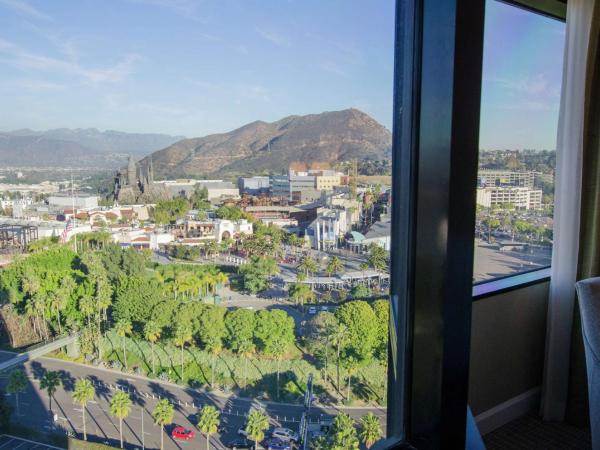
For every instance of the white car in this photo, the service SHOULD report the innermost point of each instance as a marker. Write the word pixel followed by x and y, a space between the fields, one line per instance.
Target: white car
pixel 242 432
pixel 312 310
pixel 285 434
pixel 324 308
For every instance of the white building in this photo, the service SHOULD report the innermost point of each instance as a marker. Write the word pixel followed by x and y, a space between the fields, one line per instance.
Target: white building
pixel 519 197
pixel 327 229
pixel 79 200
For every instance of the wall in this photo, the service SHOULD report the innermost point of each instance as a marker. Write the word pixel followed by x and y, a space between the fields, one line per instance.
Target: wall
pixel 507 353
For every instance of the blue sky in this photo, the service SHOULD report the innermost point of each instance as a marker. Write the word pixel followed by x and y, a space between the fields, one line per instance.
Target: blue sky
pixel 195 67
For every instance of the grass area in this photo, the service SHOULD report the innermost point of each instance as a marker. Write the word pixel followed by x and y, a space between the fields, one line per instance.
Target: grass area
pixel 252 377
pixel 77 444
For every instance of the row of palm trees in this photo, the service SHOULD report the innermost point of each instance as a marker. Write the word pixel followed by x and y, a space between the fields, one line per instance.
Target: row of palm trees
pixel 208 418
pixel 190 284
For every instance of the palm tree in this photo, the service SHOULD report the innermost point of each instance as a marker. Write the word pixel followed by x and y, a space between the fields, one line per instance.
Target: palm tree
pixel 50 382
pixel 213 345
pixel 123 328
pixel 370 431
pixel 278 350
pixel 256 425
pixel 334 266
pixel 152 332
pixel 163 415
pixel 308 265
pixel 17 383
pixel 120 407
pixel 83 393
pixel 208 422
pixel 183 335
pixel 339 335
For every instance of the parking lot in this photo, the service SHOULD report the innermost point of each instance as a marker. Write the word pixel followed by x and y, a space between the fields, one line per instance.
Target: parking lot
pixel 13 443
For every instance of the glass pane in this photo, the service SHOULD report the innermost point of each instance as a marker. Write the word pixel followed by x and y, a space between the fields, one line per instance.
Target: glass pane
pixel 230 240
pixel 522 76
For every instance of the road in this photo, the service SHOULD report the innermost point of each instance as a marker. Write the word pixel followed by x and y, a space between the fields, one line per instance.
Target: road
pixel 102 427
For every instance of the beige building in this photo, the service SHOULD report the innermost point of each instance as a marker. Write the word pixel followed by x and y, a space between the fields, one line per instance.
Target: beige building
pixel 519 197
pixel 327 182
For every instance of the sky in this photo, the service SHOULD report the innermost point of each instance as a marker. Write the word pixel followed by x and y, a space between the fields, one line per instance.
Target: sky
pixel 195 67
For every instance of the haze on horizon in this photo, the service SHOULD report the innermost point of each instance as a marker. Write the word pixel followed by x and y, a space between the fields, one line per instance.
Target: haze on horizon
pixel 192 68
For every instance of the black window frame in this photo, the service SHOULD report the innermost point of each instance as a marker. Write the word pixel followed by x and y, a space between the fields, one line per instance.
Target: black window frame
pixel 437 84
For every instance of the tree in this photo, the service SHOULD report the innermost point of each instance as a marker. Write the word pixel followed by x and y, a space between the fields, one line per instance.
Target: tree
pixel 358 317
pixel 370 430
pixel 275 335
pixel 257 272
pixel 343 434
pixel 211 332
pixel 377 257
pixel 301 293
pixel 123 328
pixel 183 335
pixel 50 382
pixel 83 393
pixel 120 407
pixel 334 266
pixel 320 333
pixel 256 425
pixel 17 383
pixel 240 324
pixel 339 335
pixel 360 291
pixel 208 422
pixel 163 415
pixel 381 308
pixel 152 332
pixel 308 265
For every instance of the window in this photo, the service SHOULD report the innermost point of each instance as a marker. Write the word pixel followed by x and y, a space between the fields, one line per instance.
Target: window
pixel 233 233
pixel 522 73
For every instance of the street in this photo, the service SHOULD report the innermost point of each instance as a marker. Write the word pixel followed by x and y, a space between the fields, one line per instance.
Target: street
pixel 145 393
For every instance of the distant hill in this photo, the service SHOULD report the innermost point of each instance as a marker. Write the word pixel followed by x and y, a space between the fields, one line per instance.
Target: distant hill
pixel 260 146
pixel 77 147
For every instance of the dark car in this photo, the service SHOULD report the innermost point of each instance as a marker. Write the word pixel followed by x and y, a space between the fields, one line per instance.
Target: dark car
pixel 276 444
pixel 241 443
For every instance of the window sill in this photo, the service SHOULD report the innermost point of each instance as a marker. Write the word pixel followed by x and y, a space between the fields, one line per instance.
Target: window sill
pixel 510 283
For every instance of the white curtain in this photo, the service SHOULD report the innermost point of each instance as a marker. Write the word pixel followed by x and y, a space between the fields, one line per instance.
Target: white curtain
pixel 566 210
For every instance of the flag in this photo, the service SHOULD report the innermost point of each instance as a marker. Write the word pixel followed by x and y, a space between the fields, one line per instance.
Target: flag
pixel 65 233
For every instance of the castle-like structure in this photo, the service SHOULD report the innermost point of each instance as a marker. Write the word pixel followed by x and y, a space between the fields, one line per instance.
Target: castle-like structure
pixel 136 185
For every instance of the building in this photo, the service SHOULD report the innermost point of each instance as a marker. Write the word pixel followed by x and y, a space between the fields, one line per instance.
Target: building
pixel 68 200
pixel 327 230
pixel 279 186
pixel 254 185
pixel 490 178
pixel 202 231
pixel 519 197
pixel 136 184
pixel 216 189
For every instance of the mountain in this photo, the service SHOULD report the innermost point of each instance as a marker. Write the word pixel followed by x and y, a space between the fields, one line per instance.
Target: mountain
pixel 260 146
pixel 77 147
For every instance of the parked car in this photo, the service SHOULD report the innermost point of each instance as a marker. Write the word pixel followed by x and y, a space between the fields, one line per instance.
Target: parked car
pixel 276 444
pixel 182 433
pixel 241 443
pixel 312 310
pixel 285 434
pixel 242 432
pixel 324 308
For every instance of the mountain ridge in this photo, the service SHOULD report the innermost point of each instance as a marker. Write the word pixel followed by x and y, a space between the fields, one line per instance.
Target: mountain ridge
pixel 260 146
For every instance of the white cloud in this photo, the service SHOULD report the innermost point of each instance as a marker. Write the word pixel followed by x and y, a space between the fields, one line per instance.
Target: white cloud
pixel 25 9
pixel 21 58
pixel 273 37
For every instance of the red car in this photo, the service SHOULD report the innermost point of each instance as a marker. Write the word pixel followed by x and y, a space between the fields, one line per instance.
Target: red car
pixel 182 433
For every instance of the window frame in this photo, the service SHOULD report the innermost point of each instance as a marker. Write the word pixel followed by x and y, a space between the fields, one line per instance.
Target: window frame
pixel 428 394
